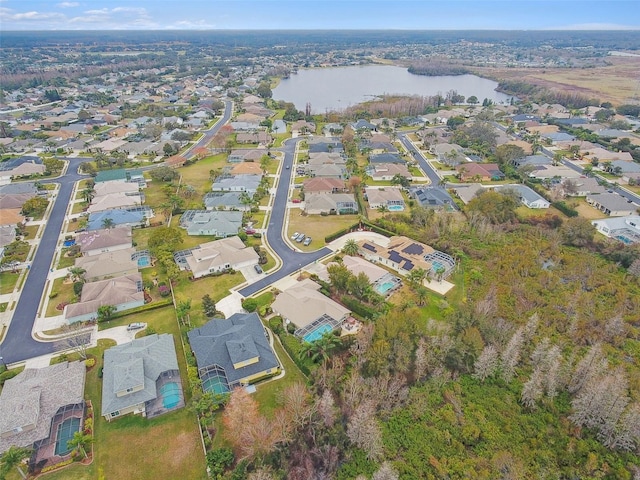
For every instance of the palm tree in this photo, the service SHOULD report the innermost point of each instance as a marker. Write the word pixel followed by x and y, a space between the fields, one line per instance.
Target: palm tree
pixel 77 274
pixel 13 458
pixel 422 293
pixel 108 223
pixel 321 348
pixel 416 276
pixel 80 442
pixel 350 248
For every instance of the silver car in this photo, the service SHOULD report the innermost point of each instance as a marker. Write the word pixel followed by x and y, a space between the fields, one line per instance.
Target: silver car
pixel 307 241
pixel 300 238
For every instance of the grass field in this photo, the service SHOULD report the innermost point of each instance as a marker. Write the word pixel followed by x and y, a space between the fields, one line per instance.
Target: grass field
pixel 317 227
pixel 64 294
pixel 133 447
pixel 8 282
pixel 197 174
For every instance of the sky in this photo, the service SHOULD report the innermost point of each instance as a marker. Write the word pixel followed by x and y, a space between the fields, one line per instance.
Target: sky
pixel 319 14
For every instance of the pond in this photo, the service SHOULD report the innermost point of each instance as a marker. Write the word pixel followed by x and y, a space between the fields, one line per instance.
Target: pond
pixel 334 89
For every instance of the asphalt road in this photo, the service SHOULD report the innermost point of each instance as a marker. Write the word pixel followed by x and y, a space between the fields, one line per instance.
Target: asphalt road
pixel 426 168
pixel 291 260
pixel 18 344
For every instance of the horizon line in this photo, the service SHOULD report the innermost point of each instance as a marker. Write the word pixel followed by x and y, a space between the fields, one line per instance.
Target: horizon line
pixel 622 29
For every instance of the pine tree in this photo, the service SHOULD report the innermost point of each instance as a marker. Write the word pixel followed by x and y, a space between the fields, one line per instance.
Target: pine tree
pixel 486 364
pixel 511 355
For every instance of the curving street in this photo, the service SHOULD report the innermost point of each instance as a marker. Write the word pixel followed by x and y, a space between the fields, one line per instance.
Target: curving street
pixel 18 344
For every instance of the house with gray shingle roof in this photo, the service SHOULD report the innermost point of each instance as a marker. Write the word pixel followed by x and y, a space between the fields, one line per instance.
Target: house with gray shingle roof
pixel 232 352
pixel 225 201
pixel 211 222
pixel 237 183
pixel 36 401
pixel 141 377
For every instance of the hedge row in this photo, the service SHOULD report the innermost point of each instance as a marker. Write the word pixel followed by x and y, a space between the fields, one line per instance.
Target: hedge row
pixel 358 308
pixel 293 346
pixel 339 233
pixel 566 209
pixel 364 224
pixel 144 308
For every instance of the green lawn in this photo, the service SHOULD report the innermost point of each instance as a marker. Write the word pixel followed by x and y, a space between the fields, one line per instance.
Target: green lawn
pixel 65 261
pixel 8 282
pixel 133 447
pixel 317 227
pixel 31 231
pixel 197 174
pixel 64 294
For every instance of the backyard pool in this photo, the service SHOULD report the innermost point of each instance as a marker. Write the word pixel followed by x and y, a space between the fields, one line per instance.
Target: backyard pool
pixel 383 288
pixel 317 333
pixel 144 262
pixel 69 243
pixel 170 395
pixel 215 385
pixel 395 208
pixel 65 433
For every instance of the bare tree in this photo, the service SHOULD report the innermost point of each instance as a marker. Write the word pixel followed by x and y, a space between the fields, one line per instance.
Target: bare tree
pixel 552 367
pixel 363 430
pixel 627 433
pixel 297 404
pixel 533 389
pixel 77 338
pixel 386 472
pixel 326 408
pixel 487 363
pixel 511 355
pixel 589 367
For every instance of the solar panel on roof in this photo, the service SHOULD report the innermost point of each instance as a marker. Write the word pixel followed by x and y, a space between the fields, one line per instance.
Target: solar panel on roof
pixel 413 249
pixel 369 247
pixel 395 257
pixel 408 265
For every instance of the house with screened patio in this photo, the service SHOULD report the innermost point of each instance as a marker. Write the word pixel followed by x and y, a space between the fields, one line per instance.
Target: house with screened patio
pixel 232 352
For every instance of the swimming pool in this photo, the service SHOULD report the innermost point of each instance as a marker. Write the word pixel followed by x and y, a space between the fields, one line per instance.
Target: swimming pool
pixel 144 262
pixel 435 265
pixel 68 243
pixel 317 333
pixel 215 385
pixel 624 239
pixel 383 288
pixel 395 208
pixel 170 395
pixel 65 433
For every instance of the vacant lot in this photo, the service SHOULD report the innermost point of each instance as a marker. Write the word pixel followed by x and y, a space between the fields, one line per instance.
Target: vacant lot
pixel 317 226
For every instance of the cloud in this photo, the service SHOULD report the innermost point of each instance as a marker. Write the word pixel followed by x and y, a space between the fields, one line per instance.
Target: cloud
pixel 190 25
pixel 68 4
pixel 8 15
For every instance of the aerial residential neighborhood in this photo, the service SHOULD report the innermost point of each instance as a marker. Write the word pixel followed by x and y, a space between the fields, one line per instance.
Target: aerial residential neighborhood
pixel 198 280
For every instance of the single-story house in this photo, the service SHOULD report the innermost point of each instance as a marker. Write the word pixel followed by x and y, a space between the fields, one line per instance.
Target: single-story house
pixel 387 171
pixel 246 155
pixel 225 201
pixel 403 254
pixel 612 204
pixel 363 125
pixel 532 161
pixel 111 187
pixel 581 187
pixel 7 234
pixel 389 197
pixel 625 229
pixel 232 352
pixel 246 168
pixel 117 174
pixel 326 170
pixel 317 145
pixel 135 217
pixel 432 197
pixel 323 185
pixel 386 158
pixel 35 403
pixel 527 196
pixel 211 222
pixel 237 183
pixel 104 240
pixel 114 201
pixel 254 137
pixel 302 127
pixel 357 265
pixel 323 158
pixel 554 171
pixel 141 377
pixel 482 172
pixel 332 129
pixel 220 255
pixel 107 265
pixel 123 293
pixel 466 193
pixel 308 309
pixel 330 204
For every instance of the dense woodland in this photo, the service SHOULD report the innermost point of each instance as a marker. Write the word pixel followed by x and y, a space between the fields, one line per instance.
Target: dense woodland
pixel 529 369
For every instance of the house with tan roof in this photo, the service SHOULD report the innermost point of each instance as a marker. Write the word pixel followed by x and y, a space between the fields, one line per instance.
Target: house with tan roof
pixel 104 240
pixel 246 155
pixel 114 186
pixel 323 185
pixel 123 293
pixel 330 204
pixel 108 265
pixel 386 171
pixel 219 256
pixel 36 403
pixel 403 254
pixel 388 197
pixel 113 201
pixel 482 172
pixel 246 168
pixel 308 309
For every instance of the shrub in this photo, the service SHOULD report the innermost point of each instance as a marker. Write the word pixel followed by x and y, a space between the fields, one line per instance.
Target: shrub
pixel 566 209
pixel 53 295
pixel 77 287
pixel 90 362
pixel 293 346
pixel 164 291
pixel 275 324
pixel 250 304
pixel 4 376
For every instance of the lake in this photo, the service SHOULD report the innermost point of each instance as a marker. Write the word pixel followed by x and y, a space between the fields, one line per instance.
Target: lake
pixel 341 87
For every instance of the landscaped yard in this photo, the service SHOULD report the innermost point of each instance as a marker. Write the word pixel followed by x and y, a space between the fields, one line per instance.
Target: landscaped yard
pixel 134 447
pixel 584 209
pixel 317 227
pixel 8 282
pixel 64 294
